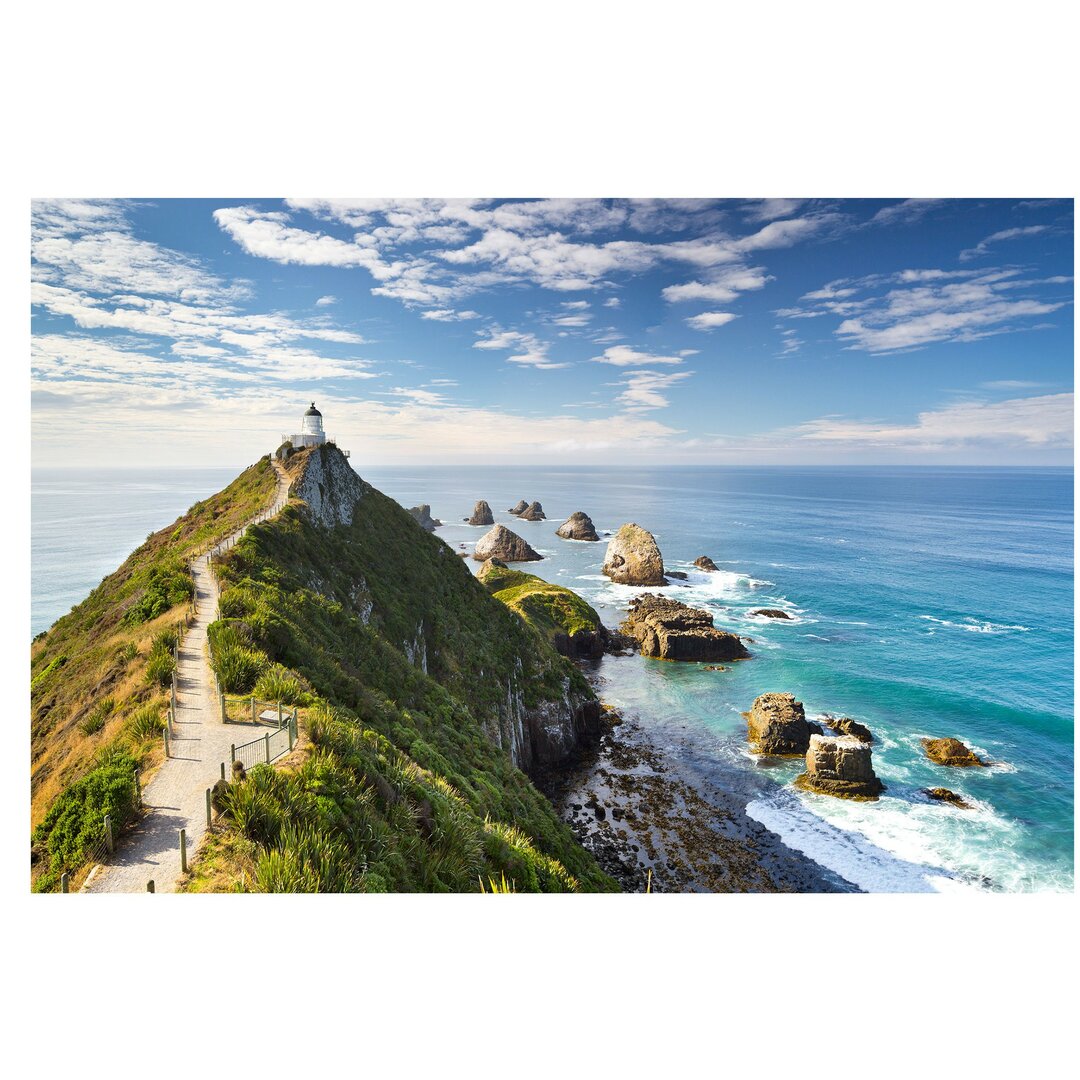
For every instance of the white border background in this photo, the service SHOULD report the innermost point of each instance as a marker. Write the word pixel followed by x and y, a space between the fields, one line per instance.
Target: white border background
pixel 482 98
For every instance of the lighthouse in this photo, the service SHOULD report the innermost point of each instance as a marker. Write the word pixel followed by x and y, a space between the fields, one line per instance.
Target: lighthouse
pixel 311 432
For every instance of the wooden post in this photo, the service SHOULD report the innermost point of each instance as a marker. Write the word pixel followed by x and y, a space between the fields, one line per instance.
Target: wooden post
pixel 232 750
pixel 108 833
pixel 209 810
pixel 279 714
pixel 64 883
pixel 253 708
pixel 224 718
pixel 165 736
pixel 174 691
pixel 290 733
pixel 150 885
pixel 183 851
pixel 138 790
pixel 223 770
pixel 266 739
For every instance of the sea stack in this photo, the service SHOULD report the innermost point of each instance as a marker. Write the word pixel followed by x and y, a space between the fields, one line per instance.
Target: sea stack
pixel 703 562
pixel 777 725
pixel 633 558
pixel 422 514
pixel 533 512
pixel 669 630
pixel 840 765
pixel 501 543
pixel 518 508
pixel 578 526
pixel 481 514
pixel 951 752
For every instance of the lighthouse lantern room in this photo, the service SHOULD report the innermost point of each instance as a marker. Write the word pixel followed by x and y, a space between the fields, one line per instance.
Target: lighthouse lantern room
pixel 311 431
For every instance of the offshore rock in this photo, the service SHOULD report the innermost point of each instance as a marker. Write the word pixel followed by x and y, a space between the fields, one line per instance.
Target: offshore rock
pixel 945 795
pixel 519 508
pixel 481 514
pixel 422 515
pixel 578 526
pixel 633 558
pixel 703 562
pixel 840 765
pixel 501 543
pixel 844 725
pixel 771 613
pixel 777 725
pixel 951 752
pixel 533 512
pixel 670 630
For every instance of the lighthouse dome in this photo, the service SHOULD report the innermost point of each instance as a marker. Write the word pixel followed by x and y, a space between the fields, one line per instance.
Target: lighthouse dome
pixel 312 411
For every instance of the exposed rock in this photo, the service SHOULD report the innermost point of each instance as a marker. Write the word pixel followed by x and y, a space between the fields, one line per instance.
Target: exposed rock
pixel 533 512
pixel 945 795
pixel 703 562
pixel 422 514
pixel 672 631
pixel 951 752
pixel 771 613
pixel 501 543
pixel 777 725
pixel 578 526
pixel 840 765
pixel 481 514
pixel 327 484
pixel 633 558
pixel 677 574
pixel 519 508
pixel 844 725
pixel 814 728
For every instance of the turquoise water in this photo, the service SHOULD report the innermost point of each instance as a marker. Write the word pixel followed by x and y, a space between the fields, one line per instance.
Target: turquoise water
pixel 925 602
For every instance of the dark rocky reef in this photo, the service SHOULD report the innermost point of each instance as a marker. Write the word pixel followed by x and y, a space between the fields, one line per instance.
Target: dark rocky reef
pixel 633 558
pixel 578 526
pixel 771 613
pixel 951 752
pixel 422 515
pixel 501 543
pixel 670 630
pixel 844 725
pixel 481 515
pixel 941 794
pixel 703 562
pixel 840 765
pixel 777 725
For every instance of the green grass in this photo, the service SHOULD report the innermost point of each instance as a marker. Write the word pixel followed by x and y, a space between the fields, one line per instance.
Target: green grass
pixel 550 609
pixel 98 716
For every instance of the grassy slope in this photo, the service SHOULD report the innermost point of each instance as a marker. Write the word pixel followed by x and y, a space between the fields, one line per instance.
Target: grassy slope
pixel 403 773
pixel 89 670
pixel 550 609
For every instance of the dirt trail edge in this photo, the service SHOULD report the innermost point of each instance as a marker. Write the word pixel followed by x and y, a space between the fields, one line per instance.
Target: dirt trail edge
pixel 176 798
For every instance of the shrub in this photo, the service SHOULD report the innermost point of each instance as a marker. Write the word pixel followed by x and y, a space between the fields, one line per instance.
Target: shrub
pixel 164 641
pixel 168 583
pixel 126 653
pixel 98 716
pixel 279 684
pixel 233 603
pixel 160 668
pixel 146 722
pixel 237 668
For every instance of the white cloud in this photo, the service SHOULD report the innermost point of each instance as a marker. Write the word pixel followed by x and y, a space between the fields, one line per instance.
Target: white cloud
pixel 326 301
pixel 722 286
pixel 612 302
pixel 906 212
pixel 534 351
pixel 624 356
pixel 983 246
pixel 710 320
pixel 643 390
pixel 448 315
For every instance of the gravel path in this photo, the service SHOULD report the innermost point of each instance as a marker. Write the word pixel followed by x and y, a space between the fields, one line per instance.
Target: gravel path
pixel 176 797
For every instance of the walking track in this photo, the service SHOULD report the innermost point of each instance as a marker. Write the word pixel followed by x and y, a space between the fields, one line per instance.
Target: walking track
pixel 176 798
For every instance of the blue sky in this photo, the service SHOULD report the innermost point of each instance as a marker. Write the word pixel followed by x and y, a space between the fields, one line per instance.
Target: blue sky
pixel 555 331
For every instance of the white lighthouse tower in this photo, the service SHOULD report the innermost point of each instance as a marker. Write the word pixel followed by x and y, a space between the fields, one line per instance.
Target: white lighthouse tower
pixel 311 432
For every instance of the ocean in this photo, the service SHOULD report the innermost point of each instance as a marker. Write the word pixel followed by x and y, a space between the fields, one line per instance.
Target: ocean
pixel 923 602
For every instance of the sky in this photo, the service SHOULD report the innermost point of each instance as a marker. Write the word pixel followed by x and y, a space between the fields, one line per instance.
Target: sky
pixel 554 331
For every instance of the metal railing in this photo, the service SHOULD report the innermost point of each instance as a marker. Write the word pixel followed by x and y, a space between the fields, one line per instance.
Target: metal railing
pixel 269 747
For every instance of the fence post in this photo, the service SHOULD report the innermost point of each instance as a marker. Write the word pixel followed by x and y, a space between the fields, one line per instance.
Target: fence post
pixel 165 736
pixel 290 733
pixel 174 691
pixel 253 708
pixel 138 790
pixel 183 851
pixel 209 816
pixel 279 714
pixel 108 833
pixel 150 885
pixel 64 883
pixel 232 750
pixel 224 719
pixel 266 739
pixel 223 770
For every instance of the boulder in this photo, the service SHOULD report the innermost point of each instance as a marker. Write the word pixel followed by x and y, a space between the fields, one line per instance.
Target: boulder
pixel 703 562
pixel 840 765
pixel 669 630
pixel 633 558
pixel 481 514
pixel 777 725
pixel 678 575
pixel 578 526
pixel 533 512
pixel 771 613
pixel 422 514
pixel 844 725
pixel 951 752
pixel 942 794
pixel 519 508
pixel 501 543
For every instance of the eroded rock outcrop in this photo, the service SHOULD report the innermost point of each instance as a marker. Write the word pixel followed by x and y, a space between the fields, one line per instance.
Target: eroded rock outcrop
pixel 518 508
pixel 501 543
pixel 533 512
pixel 771 613
pixel 481 514
pixel 669 630
pixel 327 484
pixel 844 725
pixel 633 558
pixel 776 724
pixel 578 526
pixel 703 562
pixel 941 794
pixel 422 515
pixel 840 765
pixel 951 752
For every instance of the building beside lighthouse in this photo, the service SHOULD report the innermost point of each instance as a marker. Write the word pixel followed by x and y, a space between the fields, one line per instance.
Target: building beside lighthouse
pixel 311 432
